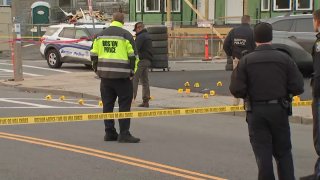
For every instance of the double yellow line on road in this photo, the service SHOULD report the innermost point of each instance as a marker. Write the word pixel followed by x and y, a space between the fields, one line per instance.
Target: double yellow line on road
pixel 174 171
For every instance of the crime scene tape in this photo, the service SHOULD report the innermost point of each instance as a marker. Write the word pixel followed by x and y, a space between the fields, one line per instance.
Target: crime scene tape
pixel 121 115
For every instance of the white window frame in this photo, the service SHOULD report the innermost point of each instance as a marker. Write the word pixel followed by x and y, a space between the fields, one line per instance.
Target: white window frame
pixel 179 5
pixel 138 4
pixel 303 9
pixel 263 9
pixel 145 7
pixel 275 3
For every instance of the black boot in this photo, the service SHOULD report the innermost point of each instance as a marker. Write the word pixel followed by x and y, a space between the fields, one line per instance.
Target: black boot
pixel 127 138
pixel 144 104
pixel 111 136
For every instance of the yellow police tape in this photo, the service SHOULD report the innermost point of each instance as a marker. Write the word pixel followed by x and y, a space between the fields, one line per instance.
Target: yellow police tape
pixel 120 115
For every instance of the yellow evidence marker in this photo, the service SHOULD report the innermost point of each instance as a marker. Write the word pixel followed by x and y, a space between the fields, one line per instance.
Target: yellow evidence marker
pixel 81 102
pixel 49 97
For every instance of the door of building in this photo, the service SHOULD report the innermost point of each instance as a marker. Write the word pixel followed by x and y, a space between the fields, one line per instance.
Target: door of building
pixel 234 11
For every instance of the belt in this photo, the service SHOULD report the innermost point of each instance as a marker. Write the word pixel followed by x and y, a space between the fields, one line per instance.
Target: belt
pixel 276 101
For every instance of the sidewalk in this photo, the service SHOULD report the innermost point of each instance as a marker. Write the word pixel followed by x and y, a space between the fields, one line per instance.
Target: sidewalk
pixel 84 84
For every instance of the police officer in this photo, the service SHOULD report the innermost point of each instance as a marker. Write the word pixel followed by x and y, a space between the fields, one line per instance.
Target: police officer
pixel 238 40
pixel 316 92
pixel 144 48
pixel 267 104
pixel 114 51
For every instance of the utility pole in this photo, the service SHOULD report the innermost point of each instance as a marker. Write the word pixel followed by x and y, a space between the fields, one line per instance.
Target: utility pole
pixel 16 37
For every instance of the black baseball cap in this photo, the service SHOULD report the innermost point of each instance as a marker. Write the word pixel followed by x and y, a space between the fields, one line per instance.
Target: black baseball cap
pixel 136 25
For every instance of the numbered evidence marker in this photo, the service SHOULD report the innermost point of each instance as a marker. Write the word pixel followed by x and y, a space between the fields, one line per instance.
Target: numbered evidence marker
pixel 296 99
pixel 49 97
pixel 196 85
pixel 81 102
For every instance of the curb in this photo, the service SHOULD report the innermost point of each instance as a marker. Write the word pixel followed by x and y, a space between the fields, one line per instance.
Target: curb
pixel 292 119
pixel 51 91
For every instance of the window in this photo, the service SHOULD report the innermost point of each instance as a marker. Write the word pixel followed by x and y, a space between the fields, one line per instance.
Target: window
pixel 175 5
pixel 138 5
pixel 152 5
pixel 282 5
pixel 6 2
pixel 51 31
pixel 80 33
pixel 283 25
pixel 67 33
pixel 304 25
pixel 304 4
pixel 265 5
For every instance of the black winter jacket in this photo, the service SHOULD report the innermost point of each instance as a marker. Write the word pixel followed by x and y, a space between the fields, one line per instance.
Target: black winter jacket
pixel 144 45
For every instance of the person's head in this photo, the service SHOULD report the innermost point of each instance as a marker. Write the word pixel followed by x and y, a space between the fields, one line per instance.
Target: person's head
pixel 118 16
pixel 316 20
pixel 245 19
pixel 263 33
pixel 138 27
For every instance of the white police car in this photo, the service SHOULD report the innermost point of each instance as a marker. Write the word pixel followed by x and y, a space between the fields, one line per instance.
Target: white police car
pixel 68 43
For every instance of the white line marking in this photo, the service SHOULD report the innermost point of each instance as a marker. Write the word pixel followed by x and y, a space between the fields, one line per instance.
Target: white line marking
pixel 26 103
pixel 68 102
pixel 35 67
pixel 39 99
pixel 52 107
pixel 30 74
pixel 27 45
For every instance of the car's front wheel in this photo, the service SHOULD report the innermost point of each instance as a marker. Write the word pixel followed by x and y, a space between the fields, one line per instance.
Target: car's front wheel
pixel 53 58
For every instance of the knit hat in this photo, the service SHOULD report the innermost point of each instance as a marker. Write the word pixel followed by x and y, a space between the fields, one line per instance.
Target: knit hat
pixel 263 32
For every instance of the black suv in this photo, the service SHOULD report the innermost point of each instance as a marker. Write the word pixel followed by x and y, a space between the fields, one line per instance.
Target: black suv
pixel 295 35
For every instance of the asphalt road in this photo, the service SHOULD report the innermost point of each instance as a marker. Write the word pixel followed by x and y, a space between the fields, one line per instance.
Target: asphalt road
pixel 172 80
pixel 214 145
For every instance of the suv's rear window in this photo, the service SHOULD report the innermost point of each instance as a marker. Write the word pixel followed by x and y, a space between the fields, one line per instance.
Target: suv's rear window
pixel 282 25
pixel 94 31
pixel 304 25
pixel 50 31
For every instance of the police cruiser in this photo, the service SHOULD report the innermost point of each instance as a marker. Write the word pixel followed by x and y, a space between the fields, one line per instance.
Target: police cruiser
pixel 68 43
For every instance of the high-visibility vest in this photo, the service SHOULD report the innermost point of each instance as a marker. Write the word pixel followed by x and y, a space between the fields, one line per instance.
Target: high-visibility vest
pixel 114 47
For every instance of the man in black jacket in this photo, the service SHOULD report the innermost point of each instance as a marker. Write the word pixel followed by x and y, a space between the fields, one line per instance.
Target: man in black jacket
pixel 238 40
pixel 144 48
pixel 267 103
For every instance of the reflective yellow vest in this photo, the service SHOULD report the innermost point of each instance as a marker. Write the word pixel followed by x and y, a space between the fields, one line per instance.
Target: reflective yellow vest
pixel 115 48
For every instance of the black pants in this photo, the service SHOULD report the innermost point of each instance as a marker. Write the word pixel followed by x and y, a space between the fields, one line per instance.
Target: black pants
pixel 111 89
pixel 269 133
pixel 316 134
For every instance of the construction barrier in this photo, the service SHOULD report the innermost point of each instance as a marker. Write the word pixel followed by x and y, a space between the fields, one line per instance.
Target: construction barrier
pixel 121 115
